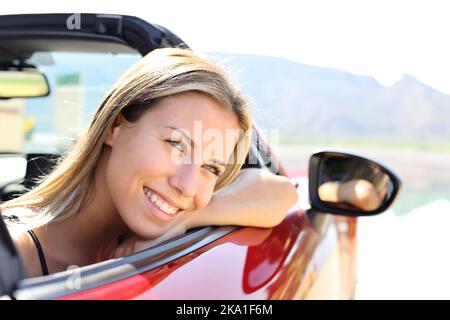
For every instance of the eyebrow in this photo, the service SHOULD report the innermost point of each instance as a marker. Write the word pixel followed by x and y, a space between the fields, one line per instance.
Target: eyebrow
pixel 193 145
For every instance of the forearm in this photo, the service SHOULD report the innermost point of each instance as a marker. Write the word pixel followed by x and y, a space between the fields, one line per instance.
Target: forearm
pixel 256 198
pixel 358 192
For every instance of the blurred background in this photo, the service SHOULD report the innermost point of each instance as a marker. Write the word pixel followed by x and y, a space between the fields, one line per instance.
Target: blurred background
pixel 372 77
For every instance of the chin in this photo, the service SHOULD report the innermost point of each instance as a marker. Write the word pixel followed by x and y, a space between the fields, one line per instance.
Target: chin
pixel 143 227
pixel 149 233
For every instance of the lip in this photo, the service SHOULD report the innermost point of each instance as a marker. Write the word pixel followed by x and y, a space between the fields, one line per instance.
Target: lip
pixel 161 215
pixel 170 202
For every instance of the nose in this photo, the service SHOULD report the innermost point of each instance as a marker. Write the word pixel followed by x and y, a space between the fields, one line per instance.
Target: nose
pixel 186 179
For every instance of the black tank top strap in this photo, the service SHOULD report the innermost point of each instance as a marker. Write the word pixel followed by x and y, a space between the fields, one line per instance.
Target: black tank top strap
pixel 15 219
pixel 40 252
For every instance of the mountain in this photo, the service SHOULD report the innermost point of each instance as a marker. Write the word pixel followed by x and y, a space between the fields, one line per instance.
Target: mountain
pixel 301 100
pixel 309 101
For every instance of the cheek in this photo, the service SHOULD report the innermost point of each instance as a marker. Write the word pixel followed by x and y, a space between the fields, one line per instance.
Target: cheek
pixel 143 158
pixel 204 194
pixel 153 163
pixel 133 165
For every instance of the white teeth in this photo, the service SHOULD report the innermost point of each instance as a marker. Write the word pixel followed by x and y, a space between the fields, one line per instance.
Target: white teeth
pixel 161 204
pixel 164 207
pixel 168 210
pixel 174 210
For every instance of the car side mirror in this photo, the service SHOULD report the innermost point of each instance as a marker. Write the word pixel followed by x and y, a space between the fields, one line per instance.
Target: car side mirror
pixel 347 184
pixel 23 83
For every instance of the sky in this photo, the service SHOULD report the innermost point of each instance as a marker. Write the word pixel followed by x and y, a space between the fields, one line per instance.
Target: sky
pixel 383 39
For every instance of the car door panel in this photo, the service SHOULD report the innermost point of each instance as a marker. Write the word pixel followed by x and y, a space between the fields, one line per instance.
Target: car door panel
pixel 290 261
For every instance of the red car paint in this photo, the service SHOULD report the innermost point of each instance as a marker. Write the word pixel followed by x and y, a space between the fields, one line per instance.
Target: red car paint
pixel 250 263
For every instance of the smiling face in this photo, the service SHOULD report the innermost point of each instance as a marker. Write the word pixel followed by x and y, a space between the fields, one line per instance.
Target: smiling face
pixel 167 163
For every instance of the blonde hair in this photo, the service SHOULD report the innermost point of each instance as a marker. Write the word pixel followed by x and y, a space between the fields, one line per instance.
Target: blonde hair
pixel 161 73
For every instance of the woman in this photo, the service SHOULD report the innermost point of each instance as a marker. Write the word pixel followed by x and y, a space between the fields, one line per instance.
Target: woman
pixel 142 172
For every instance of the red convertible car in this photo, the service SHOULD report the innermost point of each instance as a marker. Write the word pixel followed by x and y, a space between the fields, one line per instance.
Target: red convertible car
pixel 53 68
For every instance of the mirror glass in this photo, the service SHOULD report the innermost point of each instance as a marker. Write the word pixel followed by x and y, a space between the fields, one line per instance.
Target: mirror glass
pixel 22 84
pixel 352 183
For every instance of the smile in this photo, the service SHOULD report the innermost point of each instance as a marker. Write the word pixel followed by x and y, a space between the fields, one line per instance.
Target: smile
pixel 160 203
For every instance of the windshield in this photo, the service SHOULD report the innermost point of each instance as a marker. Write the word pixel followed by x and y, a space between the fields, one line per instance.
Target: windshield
pixel 78 81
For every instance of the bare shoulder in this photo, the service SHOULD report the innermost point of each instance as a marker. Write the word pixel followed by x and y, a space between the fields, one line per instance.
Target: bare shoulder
pixel 22 240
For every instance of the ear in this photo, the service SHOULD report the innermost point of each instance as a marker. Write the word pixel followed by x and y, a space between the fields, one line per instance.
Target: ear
pixel 113 131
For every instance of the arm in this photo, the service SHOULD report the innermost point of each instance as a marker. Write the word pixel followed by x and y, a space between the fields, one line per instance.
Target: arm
pixel 358 192
pixel 257 198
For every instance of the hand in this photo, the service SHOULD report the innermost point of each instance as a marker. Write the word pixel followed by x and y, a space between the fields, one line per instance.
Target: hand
pixel 256 198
